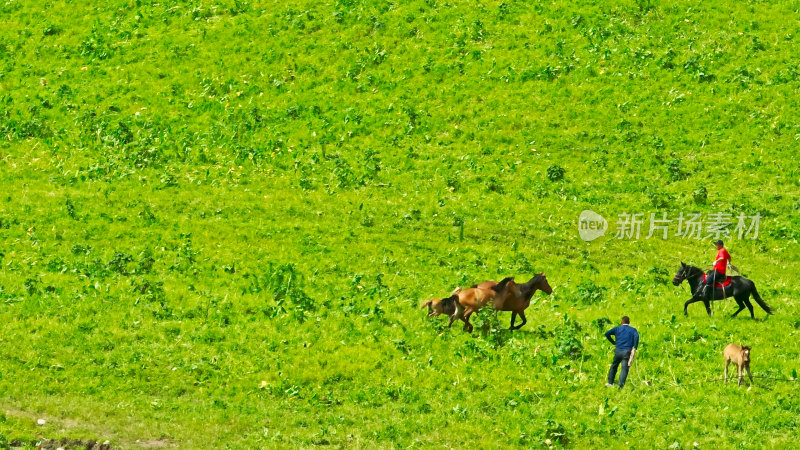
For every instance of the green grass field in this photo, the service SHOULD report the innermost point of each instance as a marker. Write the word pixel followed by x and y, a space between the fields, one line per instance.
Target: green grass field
pixel 218 221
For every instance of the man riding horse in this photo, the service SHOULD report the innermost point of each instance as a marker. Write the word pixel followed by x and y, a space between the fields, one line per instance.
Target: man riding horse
pixel 717 274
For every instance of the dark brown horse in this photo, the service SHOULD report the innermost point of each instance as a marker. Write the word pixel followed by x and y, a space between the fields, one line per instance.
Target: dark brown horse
pixel 740 289
pixel 521 299
pixel 517 305
pixel 473 299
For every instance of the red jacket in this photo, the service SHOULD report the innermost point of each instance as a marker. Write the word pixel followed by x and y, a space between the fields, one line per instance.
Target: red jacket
pixel 722 264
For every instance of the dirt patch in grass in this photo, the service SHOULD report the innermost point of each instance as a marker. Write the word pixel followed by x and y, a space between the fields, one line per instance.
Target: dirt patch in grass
pixel 66 444
pixel 65 424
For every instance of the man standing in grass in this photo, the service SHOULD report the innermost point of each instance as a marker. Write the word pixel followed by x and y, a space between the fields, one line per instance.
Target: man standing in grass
pixel 626 344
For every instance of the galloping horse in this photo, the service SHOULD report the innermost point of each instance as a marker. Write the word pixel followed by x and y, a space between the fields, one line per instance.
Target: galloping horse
pixel 439 306
pixel 471 300
pixel 517 304
pixel 740 289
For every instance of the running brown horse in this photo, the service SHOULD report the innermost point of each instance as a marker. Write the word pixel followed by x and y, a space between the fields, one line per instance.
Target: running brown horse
pixel 519 296
pixel 740 289
pixel 517 304
pixel 439 306
pixel 469 301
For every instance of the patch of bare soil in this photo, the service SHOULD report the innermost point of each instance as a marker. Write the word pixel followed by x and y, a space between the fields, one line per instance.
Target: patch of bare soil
pixel 66 444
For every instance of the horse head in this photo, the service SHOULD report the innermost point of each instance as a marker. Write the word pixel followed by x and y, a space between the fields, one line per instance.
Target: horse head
pixel 683 273
pixel 745 354
pixel 538 281
pixel 686 272
pixel 680 276
pixel 543 285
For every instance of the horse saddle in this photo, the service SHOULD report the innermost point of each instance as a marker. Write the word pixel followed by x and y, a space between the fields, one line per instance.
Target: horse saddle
pixel 718 284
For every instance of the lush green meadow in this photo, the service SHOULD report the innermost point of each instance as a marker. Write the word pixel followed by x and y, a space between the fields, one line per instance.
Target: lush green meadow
pixel 218 220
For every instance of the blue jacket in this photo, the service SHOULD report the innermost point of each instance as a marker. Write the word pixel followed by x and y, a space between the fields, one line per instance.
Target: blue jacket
pixel 627 337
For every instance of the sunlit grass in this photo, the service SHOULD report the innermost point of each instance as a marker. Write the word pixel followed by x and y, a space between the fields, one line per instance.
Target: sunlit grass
pixel 218 221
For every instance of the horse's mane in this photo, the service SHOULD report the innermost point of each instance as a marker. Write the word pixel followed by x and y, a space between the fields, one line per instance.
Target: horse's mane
pixel 693 269
pixel 535 279
pixel 502 284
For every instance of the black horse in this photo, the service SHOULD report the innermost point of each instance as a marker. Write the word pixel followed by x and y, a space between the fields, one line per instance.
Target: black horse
pixel 740 289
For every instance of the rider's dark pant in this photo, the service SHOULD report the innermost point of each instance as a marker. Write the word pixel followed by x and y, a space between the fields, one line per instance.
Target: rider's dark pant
pixel 712 277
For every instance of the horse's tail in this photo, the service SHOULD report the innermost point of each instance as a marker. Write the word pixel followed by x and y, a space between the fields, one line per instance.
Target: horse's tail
pixel 761 302
pixel 426 303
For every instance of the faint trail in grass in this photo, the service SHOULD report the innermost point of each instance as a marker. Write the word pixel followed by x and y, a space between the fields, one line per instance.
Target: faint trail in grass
pixel 715 380
pixel 58 426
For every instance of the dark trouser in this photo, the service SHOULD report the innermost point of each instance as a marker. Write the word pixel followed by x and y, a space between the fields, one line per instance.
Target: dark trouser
pixel 620 356
pixel 712 277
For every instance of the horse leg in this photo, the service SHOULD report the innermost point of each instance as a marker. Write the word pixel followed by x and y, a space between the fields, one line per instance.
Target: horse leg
pixel 748 373
pixel 689 302
pixel 468 326
pixel 513 317
pixel 452 319
pixel 739 302
pixel 746 301
pixel 524 320
pixel 741 307
pixel 696 297
pixel 708 307
pixel 465 318
pixel 727 363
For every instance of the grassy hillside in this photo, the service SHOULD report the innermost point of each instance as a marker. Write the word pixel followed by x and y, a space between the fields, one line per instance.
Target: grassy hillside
pixel 218 220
